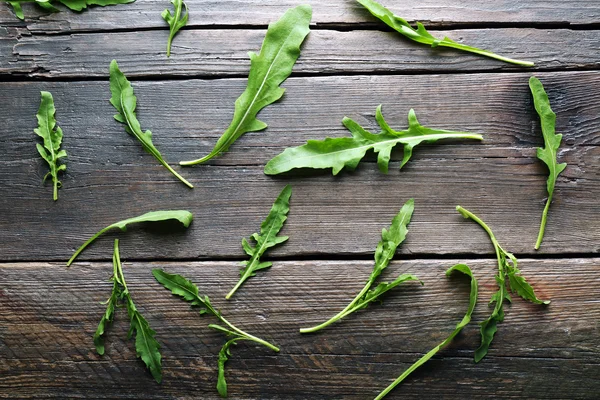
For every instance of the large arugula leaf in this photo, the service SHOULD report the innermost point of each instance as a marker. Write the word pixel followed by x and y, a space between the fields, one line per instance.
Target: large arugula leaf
pixel 52 136
pixel 186 289
pixel 125 102
pixel 268 70
pixel 547 154
pixel 347 152
pixel 463 268
pixel 75 5
pixel 421 35
pixel 183 216
pixel 507 271
pixel 176 21
pixel 147 348
pixel 390 240
pixel 266 239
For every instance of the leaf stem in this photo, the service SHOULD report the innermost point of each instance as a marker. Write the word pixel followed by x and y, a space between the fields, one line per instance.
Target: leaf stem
pixel 87 242
pixel 339 315
pixel 540 237
pixel 55 190
pixel 181 178
pixel 247 335
pixel 485 53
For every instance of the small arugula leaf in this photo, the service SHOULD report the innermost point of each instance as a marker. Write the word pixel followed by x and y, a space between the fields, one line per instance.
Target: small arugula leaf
pixel 75 5
pixel 224 355
pixel 111 303
pixel 147 348
pixel 507 270
pixel 52 135
pixel 463 268
pixel 185 217
pixel 268 70
pixel 421 35
pixel 266 239
pixel 125 103
pixel 548 154
pixel 176 21
pixel 347 152
pixel 390 240
pixel 182 287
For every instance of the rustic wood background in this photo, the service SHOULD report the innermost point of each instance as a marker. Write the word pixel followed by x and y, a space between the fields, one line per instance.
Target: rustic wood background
pixel 350 63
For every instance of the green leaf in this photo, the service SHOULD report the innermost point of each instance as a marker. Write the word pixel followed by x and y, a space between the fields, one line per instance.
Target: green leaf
pixel 507 269
pixel 224 355
pixel 125 103
pixel 390 240
pixel 185 217
pixel 76 5
pixel 266 239
pixel 146 346
pixel 421 35
pixel 347 152
pixel 547 154
pixel 268 70
pixel 52 136
pixel 463 268
pixel 107 318
pixel 182 287
pixel 176 21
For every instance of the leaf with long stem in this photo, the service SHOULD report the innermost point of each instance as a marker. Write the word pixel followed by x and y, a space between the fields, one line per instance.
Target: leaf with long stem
pixel 390 240
pixel 463 268
pixel 125 103
pixel 421 35
pixel 183 216
pixel 147 348
pixel 266 239
pixel 340 153
pixel 268 70
pixel 75 5
pixel 547 154
pixel 507 271
pixel 52 136
pixel 186 289
pixel 176 21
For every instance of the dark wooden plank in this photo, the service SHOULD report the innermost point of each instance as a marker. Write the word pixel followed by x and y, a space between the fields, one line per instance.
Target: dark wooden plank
pixel 146 14
pixel 110 177
pixel 50 314
pixel 224 52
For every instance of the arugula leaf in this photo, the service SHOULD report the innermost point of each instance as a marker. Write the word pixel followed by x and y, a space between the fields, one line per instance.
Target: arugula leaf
pixel 52 135
pixel 268 70
pixel 75 5
pixel 463 268
pixel 347 152
pixel 548 154
pixel 175 21
pixel 147 348
pixel 507 269
pixel 182 287
pixel 266 239
pixel 183 216
pixel 125 101
pixel 384 253
pixel 421 35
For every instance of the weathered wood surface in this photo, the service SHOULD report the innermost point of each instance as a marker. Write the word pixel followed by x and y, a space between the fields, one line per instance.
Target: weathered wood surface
pixel 223 52
pixel 109 176
pixel 51 312
pixel 146 13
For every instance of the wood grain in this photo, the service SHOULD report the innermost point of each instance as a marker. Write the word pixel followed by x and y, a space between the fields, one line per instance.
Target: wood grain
pixel 223 52
pixel 146 13
pixel 109 176
pixel 51 313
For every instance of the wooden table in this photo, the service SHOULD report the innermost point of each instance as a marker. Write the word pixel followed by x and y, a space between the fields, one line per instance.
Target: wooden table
pixel 349 64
